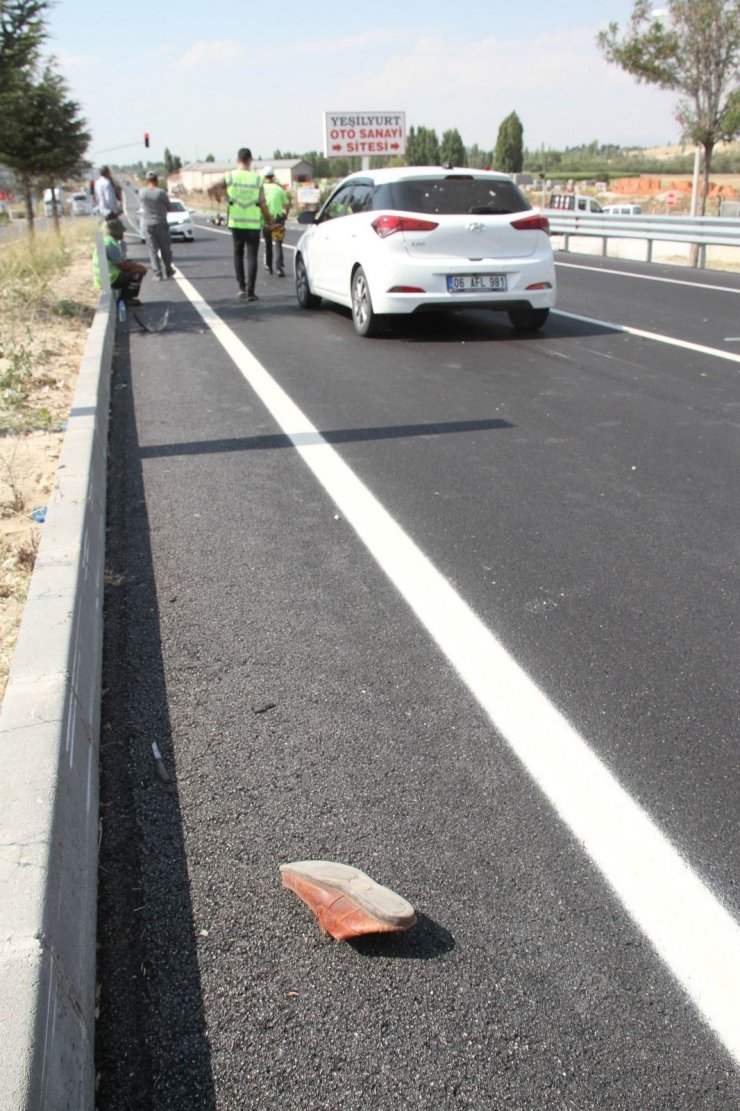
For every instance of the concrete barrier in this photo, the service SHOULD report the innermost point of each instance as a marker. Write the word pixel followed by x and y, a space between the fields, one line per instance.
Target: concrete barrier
pixel 49 739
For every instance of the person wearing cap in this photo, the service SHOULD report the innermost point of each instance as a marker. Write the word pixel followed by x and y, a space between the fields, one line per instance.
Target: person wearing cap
pixel 107 196
pixel 124 275
pixel 155 204
pixel 246 212
pixel 278 202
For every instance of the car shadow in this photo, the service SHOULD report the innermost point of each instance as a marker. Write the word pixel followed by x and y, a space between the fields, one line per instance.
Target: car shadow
pixel 472 326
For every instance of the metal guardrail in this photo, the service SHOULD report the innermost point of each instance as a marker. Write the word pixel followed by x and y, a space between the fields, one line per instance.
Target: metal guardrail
pixel 704 231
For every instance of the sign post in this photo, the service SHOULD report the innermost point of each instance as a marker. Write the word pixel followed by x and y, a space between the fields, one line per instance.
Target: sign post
pixel 347 134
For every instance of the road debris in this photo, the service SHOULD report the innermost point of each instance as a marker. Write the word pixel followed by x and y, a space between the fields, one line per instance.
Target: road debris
pixel 264 708
pixel 346 901
pixel 162 772
pixel 154 326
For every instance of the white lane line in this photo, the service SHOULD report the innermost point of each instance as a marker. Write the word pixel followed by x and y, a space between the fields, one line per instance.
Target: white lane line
pixel 658 337
pixel 647 277
pixel 693 933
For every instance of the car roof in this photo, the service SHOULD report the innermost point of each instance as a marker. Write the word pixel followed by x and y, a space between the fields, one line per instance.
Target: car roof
pixel 409 173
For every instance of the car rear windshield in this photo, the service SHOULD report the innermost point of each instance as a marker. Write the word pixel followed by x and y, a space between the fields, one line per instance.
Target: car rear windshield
pixel 177 206
pixel 457 195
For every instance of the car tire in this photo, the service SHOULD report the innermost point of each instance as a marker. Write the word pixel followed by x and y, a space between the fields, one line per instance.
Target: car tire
pixel 366 320
pixel 306 299
pixel 528 320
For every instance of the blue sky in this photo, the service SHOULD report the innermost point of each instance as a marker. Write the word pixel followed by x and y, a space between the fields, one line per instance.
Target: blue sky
pixel 208 80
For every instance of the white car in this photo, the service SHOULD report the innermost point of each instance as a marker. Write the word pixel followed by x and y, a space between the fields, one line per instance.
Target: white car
pixel 179 220
pixel 424 239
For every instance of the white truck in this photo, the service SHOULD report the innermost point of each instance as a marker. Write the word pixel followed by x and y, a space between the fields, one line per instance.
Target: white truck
pixel 50 195
pixel 574 202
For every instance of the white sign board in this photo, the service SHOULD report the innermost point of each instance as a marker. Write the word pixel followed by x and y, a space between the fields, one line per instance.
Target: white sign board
pixel 308 194
pixel 366 133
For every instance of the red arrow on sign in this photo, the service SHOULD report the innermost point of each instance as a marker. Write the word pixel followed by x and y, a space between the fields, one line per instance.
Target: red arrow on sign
pixel 395 146
pixel 337 146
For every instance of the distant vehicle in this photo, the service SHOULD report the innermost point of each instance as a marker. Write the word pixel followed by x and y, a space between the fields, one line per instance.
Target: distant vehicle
pixel 623 210
pixel 423 239
pixel 49 197
pixel 81 204
pixel 179 219
pixel 574 202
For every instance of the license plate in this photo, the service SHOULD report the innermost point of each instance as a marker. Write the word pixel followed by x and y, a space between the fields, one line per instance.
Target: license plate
pixel 475 283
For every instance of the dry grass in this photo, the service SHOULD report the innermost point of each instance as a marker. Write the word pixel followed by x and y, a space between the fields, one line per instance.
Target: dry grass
pixel 47 302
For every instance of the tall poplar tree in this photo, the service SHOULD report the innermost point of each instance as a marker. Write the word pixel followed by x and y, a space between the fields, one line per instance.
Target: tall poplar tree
pixel 452 148
pixel 509 153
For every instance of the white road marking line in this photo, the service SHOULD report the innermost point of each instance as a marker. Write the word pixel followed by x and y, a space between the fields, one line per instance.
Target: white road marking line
pixel 658 337
pixel 689 928
pixel 647 277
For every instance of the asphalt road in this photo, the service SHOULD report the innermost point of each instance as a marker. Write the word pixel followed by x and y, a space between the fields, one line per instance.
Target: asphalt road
pixel 578 491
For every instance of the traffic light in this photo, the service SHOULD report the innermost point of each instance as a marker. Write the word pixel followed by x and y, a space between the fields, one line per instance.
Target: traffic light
pixel 146 138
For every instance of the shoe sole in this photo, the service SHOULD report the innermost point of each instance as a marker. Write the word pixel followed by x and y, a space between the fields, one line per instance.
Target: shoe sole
pixel 346 901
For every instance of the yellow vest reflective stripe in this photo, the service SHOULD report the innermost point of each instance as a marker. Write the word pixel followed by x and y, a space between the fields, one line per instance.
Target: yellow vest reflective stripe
pixel 275 198
pixel 113 271
pixel 243 190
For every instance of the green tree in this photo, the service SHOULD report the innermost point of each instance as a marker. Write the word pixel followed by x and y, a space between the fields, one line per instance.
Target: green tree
pixel 422 147
pixel 62 137
pixel 478 158
pixel 22 32
pixel 210 158
pixel 696 53
pixel 509 153
pixel 42 136
pixel 452 148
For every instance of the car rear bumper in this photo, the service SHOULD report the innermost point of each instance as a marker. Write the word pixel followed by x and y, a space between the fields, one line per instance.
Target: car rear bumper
pixel 431 277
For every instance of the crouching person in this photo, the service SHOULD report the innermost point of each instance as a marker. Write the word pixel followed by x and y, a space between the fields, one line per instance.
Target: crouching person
pixel 124 275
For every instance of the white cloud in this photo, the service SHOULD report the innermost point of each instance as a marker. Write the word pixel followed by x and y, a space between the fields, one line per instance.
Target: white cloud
pixel 209 52
pixel 75 61
pixel 559 84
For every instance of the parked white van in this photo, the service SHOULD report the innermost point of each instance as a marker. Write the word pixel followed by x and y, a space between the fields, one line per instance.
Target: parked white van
pixel 81 204
pixel 623 210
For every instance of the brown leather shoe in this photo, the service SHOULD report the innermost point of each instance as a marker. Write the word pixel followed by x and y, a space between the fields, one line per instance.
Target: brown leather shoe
pixel 346 902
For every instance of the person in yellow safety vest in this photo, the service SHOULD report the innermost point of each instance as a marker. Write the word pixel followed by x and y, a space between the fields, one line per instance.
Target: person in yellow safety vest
pixel 124 275
pixel 246 212
pixel 278 203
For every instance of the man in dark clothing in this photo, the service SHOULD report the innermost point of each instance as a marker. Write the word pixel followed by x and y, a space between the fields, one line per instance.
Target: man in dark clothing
pixel 247 211
pixel 155 204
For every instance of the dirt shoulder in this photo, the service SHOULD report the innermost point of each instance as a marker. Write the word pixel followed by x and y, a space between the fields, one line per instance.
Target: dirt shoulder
pixel 47 303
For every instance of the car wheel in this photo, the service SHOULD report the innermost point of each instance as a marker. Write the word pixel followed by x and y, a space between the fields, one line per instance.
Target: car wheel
pixel 366 320
pixel 306 299
pixel 528 320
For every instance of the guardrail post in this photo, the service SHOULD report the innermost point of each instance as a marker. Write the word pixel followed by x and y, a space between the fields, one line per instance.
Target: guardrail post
pixel 649 257
pixel 702 256
pixel 603 246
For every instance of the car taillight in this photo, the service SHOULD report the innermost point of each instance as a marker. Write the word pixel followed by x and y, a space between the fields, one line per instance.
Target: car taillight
pixel 532 223
pixel 387 225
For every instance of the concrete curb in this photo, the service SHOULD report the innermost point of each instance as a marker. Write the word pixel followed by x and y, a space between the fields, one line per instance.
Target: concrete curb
pixel 49 739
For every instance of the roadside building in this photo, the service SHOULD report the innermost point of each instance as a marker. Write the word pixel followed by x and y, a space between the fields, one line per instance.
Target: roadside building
pixel 200 176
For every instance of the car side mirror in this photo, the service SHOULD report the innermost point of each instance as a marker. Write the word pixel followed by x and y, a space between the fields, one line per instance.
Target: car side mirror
pixel 306 217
